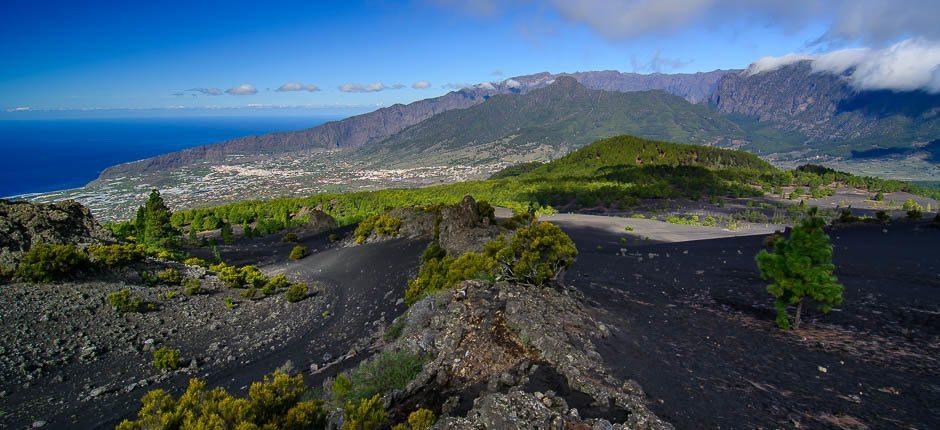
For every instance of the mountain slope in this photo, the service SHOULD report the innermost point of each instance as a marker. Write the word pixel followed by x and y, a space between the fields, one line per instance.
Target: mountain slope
pixel 370 127
pixel 831 115
pixel 557 118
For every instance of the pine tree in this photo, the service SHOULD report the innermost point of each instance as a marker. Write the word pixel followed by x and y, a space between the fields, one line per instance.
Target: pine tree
pixel 247 231
pixel 153 222
pixel 800 266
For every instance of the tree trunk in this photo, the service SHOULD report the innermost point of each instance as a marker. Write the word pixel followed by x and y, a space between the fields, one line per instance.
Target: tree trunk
pixel 799 310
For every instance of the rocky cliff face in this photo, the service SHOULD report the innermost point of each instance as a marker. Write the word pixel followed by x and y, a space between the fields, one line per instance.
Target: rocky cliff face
pixel 694 87
pixel 824 107
pixel 24 224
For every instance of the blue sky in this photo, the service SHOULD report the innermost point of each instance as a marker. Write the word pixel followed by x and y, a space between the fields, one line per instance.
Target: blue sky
pixel 65 55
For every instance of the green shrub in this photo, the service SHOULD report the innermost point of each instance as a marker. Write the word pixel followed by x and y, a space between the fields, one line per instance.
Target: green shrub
pixel 394 330
pixel 421 419
pixel 800 266
pixel 882 216
pixel 433 251
pixel 196 261
pixel 379 375
pixel 333 237
pixel 289 238
pixel 276 402
pixel 486 211
pixel 297 292
pixel 534 255
pixel 124 301
pixel 166 359
pixel 245 276
pixel 49 262
pixel 380 225
pixel 170 276
pixel 880 197
pixel 192 286
pixel 440 274
pixel 365 414
pixel 298 252
pixel 914 210
pixel 229 303
pixel 116 255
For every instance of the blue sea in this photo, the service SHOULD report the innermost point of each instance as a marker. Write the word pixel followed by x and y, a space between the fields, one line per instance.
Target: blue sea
pixel 47 155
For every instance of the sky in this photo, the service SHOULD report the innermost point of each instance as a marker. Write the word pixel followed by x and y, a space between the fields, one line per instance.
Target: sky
pixel 341 56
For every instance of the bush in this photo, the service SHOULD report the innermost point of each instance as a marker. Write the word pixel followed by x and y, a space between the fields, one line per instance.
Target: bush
pixel 800 266
pixel 914 210
pixel 383 373
pixel 116 255
pixel 298 252
pixel 365 414
pixel 166 359
pixel 445 273
pixel 879 197
pixel 170 276
pixel 381 225
pixel 192 286
pixel 49 262
pixel 246 276
pixel 882 216
pixel 289 237
pixel 421 419
pixel 333 237
pixel 297 292
pixel 196 261
pixel 486 211
pixel 123 301
pixel 274 403
pixel 433 251
pixel 536 254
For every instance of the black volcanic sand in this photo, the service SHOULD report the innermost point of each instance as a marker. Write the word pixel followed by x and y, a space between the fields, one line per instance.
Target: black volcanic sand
pixel 362 286
pixel 692 323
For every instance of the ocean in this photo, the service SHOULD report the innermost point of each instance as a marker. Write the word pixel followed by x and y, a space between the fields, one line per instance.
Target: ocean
pixel 47 155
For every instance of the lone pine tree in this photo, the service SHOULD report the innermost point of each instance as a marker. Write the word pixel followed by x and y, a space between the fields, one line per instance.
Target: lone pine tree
pixel 800 267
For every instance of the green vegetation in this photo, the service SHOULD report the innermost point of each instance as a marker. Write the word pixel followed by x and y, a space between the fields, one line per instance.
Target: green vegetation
pixel 277 402
pixel 227 234
pixel 192 287
pixel 421 419
pixel 364 414
pixel 381 225
pixel 166 359
pixel 152 224
pixel 379 375
pixel 296 292
pixel 800 266
pixel 615 172
pixel 117 255
pixel 298 252
pixel 170 276
pixel 289 237
pixel 123 301
pixel 914 210
pixel 196 261
pixel 50 262
pixel 535 254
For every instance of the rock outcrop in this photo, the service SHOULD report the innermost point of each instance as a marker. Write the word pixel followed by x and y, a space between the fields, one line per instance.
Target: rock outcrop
pixel 463 228
pixel 23 224
pixel 504 356
pixel 319 221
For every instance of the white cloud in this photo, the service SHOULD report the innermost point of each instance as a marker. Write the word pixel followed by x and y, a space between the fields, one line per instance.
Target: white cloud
pixel 19 109
pixel 368 88
pixel 206 91
pixel 242 90
pixel 421 85
pixel 486 86
pixel 512 83
pixel 297 86
pixel 912 64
